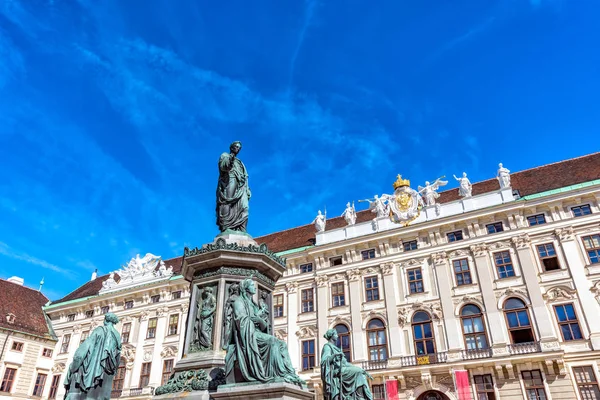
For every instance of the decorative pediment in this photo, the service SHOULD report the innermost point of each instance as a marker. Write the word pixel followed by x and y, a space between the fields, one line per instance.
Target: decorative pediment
pixel 595 289
pixel 564 234
pixel 307 332
pixel 168 351
pixel 281 334
pixel 353 274
pixel 160 311
pixel 479 250
pixel 415 262
pixel 340 320
pixel 386 268
pixel 512 291
pixel 500 245
pixel 368 271
pixel 291 287
pixel 434 309
pixel 10 318
pixel 439 258
pixel 522 241
pixel 59 367
pixel 459 253
pixel 467 299
pixel 322 280
pixel 557 293
pixel 138 271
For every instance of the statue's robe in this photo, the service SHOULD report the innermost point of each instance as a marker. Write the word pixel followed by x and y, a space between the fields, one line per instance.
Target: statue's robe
pixel 94 365
pixel 354 381
pixel 232 194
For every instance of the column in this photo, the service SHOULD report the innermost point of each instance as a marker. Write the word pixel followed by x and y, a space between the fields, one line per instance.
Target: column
pixel 358 335
pixel 538 305
pixel 292 317
pixel 396 341
pixel 444 279
pixel 134 382
pixel 322 308
pixel 577 263
pixel 157 361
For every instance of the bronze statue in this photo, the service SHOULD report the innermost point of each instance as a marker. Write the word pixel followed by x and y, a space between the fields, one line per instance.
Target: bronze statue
pixel 233 192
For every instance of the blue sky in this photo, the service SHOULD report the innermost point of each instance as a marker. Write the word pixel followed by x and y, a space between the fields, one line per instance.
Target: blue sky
pixel 113 114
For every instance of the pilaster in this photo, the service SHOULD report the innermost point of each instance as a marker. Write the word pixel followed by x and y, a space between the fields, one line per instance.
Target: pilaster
pixel 396 342
pixel 358 335
pixel 292 316
pixel 322 308
pixel 442 276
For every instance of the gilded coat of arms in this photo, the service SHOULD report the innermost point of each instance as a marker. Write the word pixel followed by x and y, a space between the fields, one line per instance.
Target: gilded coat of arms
pixel 405 204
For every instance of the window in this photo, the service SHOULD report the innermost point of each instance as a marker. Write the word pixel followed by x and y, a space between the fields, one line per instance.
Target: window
pixel 377 340
pixel 378 392
pixel 278 305
pixel 308 354
pixel 47 353
pixel 338 297
pixel 125 332
pixel 306 268
pixel 84 335
pixel 167 371
pixel 495 227
pixel 484 385
pixel 473 328
pixel 119 379
pixel 411 245
pixel 145 374
pixel 536 219
pixel 462 272
pixel 333 261
pixel 54 387
pixel 367 254
pixel 151 332
pixel 423 333
pixel 504 264
pixel 176 295
pixel 415 280
pixel 104 309
pixel 534 385
pixel 8 379
pixel 548 257
pixel 454 236
pixel 64 347
pixel 343 341
pixel 567 321
pixel 40 382
pixel 371 288
pixel 517 319
pixel 592 247
pixel 155 298
pixel 173 324
pixel 89 313
pixel 128 304
pixel 70 317
pixel 308 303
pixel 17 346
pixel 581 211
pixel 587 382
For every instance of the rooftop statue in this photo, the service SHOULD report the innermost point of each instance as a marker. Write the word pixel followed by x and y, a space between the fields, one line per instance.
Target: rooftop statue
pixel 342 380
pixel 349 214
pixel 252 354
pixel 378 206
pixel 95 363
pixel 465 188
pixel 320 221
pixel 233 192
pixel 503 177
pixel 429 191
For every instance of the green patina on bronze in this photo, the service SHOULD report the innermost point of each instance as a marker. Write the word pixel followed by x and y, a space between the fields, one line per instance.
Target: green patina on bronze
pixel 205 319
pixel 221 244
pixel 243 272
pixel 233 193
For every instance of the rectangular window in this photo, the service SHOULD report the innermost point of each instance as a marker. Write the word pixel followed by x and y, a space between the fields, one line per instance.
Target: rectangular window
pixel 338 297
pixel 104 309
pixel 378 392
pixel 155 298
pixel 495 227
pixel 47 353
pixel 151 332
pixel 504 264
pixel 306 268
pixel 89 313
pixel 410 245
pixel 371 288
pixel 333 261
pixel 125 332
pixel 536 219
pixel 167 371
pixel 567 321
pixel 173 324
pixel 592 248
pixel 534 385
pixel 8 379
pixel 308 303
pixel 64 347
pixel 454 236
pixel 176 295
pixel 40 382
pixel 308 354
pixel 278 305
pixel 415 280
pixel 548 257
pixel 587 382
pixel 462 272
pixel 17 346
pixel 581 210
pixel 367 254
pixel 145 374
pixel 128 304
pixel 484 386
pixel 54 387
pixel 70 317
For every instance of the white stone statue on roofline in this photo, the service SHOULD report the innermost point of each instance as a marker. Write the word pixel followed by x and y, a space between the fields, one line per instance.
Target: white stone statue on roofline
pixel 465 188
pixel 349 214
pixel 320 221
pixel 503 177
pixel 429 191
pixel 378 205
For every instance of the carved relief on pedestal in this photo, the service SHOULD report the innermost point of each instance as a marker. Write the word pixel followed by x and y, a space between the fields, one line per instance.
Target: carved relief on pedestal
pixel 522 241
pixel 558 293
pixel 322 280
pixel 206 306
pixel 564 234
pixel 479 250
pixel 307 332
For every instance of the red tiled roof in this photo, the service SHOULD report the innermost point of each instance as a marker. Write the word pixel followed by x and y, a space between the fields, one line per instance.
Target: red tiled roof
pixel 26 305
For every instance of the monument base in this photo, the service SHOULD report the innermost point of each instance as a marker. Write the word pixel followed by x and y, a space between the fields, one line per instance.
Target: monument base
pixel 279 390
pixel 195 395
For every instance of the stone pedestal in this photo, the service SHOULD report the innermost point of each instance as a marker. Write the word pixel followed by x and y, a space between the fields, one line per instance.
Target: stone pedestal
pixel 281 391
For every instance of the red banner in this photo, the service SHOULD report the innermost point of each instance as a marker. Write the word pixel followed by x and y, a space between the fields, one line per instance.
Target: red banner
pixel 391 388
pixel 461 380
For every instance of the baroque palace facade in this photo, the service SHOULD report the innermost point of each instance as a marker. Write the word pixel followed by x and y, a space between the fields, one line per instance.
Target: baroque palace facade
pixel 501 288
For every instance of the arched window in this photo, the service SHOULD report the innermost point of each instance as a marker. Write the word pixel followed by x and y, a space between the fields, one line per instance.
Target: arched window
pixel 473 328
pixel 343 341
pixel 518 321
pixel 423 333
pixel 377 340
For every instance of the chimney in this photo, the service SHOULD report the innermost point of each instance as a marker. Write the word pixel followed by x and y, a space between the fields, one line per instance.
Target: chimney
pixel 94 275
pixel 16 280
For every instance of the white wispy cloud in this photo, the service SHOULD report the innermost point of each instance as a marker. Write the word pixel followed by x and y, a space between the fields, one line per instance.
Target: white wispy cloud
pixel 9 252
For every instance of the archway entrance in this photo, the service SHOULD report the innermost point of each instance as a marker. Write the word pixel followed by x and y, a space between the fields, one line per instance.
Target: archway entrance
pixel 433 395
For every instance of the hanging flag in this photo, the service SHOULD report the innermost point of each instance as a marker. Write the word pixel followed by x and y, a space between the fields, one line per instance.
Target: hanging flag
pixel 461 382
pixel 391 388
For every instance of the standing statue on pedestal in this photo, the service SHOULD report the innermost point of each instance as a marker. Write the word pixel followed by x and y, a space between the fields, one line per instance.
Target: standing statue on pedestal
pixel 503 176
pixel 95 363
pixel 465 188
pixel 232 191
pixel 342 380
pixel 320 221
pixel 252 354
pixel 205 320
pixel 349 214
pixel 429 191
